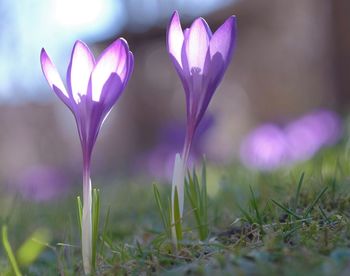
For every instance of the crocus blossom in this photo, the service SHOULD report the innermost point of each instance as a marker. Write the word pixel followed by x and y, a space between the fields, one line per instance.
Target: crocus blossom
pixel 200 58
pixel 270 147
pixel 308 134
pixel 265 148
pixel 93 87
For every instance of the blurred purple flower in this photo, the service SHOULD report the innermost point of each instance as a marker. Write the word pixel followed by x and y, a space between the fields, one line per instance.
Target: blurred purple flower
pixel 41 183
pixel 307 135
pixel 269 147
pixel 265 148
pixel 200 59
pixel 159 160
pixel 92 90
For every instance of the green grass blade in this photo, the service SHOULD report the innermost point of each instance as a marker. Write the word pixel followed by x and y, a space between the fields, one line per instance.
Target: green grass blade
pixel 168 215
pixel 204 191
pixel 287 210
pixel 177 217
pixel 247 216
pixel 104 229
pixel 164 212
pixel 95 223
pixel 310 208
pixel 256 208
pixel 80 212
pixel 193 189
pixel 324 214
pixel 204 206
pixel 196 188
pixel 301 180
pixel 196 192
pixel 193 202
pixel 9 251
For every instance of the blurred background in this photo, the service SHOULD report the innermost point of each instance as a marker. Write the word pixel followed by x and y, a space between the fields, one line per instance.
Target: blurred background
pixel 290 68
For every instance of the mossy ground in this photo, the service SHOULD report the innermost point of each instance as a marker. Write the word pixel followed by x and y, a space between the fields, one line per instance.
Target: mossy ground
pixel 295 221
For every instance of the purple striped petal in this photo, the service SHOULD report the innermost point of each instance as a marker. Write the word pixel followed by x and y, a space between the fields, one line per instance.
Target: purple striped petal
pixel 113 60
pixel 175 38
pixel 79 70
pixel 197 45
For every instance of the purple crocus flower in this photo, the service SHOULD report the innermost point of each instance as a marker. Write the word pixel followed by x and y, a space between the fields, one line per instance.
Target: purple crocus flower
pixel 200 59
pixel 93 87
pixel 265 148
pixel 308 134
pixel 270 147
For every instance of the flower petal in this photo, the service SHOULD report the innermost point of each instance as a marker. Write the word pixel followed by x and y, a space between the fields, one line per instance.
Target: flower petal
pixel 197 45
pixel 51 74
pixel 175 38
pixel 223 40
pixel 130 68
pixel 114 59
pixel 79 70
pixel 53 78
pixel 219 56
pixel 111 91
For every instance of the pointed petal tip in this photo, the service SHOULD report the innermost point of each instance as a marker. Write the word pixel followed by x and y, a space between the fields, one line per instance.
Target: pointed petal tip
pixel 80 43
pixel 231 22
pixel 197 21
pixel 174 21
pixel 123 41
pixel 42 52
pixel 43 59
pixel 81 50
pixel 201 19
pixel 200 24
pixel 207 27
pixel 233 17
pixel 119 42
pixel 46 63
pixel 175 16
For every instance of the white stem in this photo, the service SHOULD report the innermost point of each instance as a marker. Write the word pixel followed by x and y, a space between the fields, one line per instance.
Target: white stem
pixel 178 182
pixel 86 224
